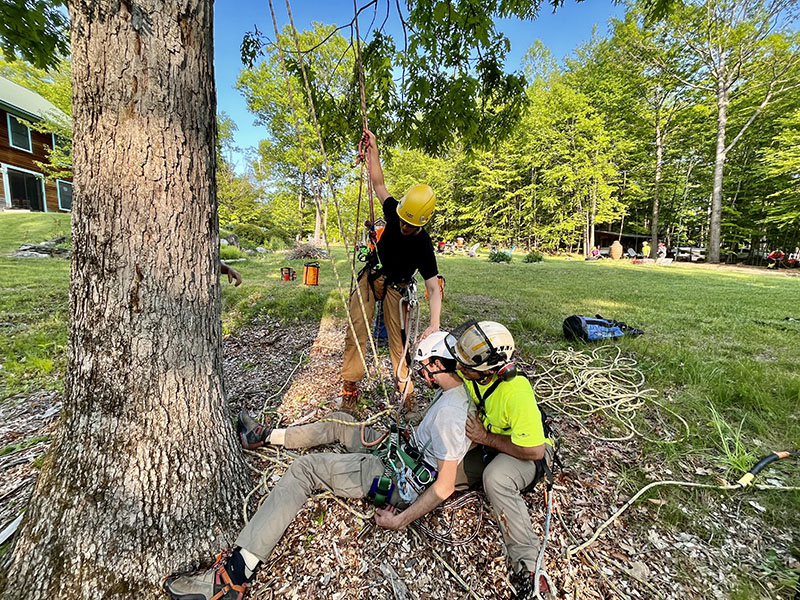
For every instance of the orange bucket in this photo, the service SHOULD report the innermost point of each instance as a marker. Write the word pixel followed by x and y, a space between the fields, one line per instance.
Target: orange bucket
pixel 311 273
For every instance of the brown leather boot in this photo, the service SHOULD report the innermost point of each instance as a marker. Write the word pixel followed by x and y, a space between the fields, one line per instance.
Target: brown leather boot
pixel 349 397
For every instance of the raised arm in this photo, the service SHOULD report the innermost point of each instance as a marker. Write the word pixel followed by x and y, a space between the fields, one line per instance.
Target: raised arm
pixel 438 492
pixel 375 170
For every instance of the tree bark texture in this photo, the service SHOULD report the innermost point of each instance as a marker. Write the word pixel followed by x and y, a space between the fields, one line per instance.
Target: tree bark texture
pixel 715 227
pixel 657 188
pixel 145 476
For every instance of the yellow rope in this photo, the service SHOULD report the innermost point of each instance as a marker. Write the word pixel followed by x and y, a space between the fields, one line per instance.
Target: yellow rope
pixel 579 384
pixel 296 123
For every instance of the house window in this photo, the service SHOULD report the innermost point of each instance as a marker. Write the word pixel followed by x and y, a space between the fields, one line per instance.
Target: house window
pixel 64 194
pixel 58 141
pixel 25 190
pixel 19 135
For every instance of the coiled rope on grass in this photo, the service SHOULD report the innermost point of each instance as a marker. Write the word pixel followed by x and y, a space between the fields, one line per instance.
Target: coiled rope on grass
pixel 580 384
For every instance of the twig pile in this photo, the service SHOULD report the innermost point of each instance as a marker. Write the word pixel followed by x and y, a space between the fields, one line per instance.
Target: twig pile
pixel 306 251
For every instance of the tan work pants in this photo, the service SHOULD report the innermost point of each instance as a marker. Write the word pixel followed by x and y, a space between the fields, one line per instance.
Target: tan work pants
pixel 503 480
pixel 345 475
pixel 353 367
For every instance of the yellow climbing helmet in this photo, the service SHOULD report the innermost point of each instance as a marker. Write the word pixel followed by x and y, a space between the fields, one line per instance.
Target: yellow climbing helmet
pixel 416 207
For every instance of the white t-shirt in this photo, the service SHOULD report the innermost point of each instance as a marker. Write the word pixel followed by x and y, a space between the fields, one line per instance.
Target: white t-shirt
pixel 441 434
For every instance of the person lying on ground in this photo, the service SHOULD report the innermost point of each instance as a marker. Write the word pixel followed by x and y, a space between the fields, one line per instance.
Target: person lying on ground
pixel 513 452
pixel 440 440
pixel 403 249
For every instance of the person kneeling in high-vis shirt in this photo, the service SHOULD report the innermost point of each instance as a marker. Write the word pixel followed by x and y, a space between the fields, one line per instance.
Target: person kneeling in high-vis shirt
pixel 512 452
pixel 436 448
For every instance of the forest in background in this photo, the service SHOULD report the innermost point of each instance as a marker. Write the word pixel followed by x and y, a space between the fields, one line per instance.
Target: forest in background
pixel 682 129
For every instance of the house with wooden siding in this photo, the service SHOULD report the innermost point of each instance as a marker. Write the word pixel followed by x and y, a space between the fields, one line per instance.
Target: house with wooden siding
pixel 24 186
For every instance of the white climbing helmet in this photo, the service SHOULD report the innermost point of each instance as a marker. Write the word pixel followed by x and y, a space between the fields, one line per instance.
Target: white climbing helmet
pixel 483 346
pixel 435 346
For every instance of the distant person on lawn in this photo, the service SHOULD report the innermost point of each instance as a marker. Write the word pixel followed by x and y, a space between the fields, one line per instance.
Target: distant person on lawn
pixel 776 259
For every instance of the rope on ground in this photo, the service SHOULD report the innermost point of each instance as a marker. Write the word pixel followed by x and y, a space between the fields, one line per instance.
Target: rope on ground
pixel 453 505
pixel 263 410
pixel 573 550
pixel 580 384
pixel 446 565
pixel 591 563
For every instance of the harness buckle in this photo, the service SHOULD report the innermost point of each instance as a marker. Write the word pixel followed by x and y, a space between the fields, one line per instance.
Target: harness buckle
pixel 380 492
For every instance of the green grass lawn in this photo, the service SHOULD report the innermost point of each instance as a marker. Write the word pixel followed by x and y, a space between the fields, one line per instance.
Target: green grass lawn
pixel 715 339
pixel 33 305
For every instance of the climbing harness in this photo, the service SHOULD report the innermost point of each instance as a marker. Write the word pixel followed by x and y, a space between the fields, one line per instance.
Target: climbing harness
pixel 404 464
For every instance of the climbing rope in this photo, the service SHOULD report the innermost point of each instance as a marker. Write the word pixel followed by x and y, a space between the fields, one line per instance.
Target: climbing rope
pixel 581 384
pixel 331 187
pixel 744 482
pixel 452 505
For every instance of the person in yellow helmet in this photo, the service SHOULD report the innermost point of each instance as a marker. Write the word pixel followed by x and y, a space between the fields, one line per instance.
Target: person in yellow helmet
pixel 403 249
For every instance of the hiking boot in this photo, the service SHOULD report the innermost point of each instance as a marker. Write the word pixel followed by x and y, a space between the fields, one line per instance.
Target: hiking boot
pixel 349 397
pixel 525 584
pixel 214 584
pixel 252 434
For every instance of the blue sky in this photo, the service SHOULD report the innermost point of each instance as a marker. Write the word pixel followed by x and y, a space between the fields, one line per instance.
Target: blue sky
pixel 561 32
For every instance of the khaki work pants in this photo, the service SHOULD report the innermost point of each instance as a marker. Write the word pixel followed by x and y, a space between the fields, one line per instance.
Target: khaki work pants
pixel 353 367
pixel 345 475
pixel 503 480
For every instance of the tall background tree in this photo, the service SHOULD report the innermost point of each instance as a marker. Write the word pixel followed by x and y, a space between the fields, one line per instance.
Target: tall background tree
pixel 731 49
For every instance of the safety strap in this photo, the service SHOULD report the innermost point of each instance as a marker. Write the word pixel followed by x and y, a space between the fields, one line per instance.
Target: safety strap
pixel 222 578
pixel 396 459
pixel 482 397
pixel 380 492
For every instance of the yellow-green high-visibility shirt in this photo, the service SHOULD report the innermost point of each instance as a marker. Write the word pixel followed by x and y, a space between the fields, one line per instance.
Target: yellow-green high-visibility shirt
pixel 511 410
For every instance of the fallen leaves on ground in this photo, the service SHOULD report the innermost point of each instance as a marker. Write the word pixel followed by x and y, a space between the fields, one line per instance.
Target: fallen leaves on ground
pixel 291 373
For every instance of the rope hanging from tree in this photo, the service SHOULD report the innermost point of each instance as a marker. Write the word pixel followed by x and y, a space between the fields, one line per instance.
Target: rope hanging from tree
pixel 296 122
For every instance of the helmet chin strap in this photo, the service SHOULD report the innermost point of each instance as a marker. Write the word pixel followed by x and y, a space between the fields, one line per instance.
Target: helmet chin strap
pixel 427 375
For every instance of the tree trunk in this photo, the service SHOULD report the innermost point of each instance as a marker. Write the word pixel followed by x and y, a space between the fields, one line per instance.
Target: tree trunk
pixel 300 207
pixel 145 475
pixel 714 238
pixel 593 217
pixel 657 189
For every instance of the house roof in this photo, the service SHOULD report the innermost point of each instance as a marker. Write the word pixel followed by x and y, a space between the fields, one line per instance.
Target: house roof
pixel 20 99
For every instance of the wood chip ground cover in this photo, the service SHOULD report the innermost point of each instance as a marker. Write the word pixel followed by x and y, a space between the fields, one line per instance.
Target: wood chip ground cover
pixel 332 550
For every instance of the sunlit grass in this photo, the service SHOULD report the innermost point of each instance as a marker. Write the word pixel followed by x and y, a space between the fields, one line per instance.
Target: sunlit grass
pixel 713 337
